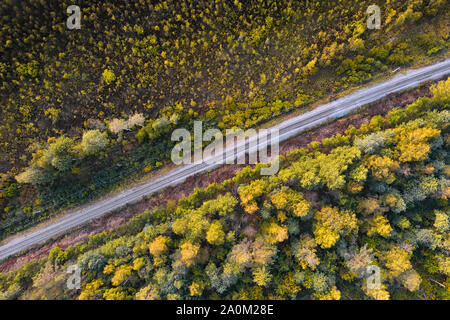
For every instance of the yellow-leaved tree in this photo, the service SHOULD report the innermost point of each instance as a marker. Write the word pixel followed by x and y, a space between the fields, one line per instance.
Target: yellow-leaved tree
pixel 331 223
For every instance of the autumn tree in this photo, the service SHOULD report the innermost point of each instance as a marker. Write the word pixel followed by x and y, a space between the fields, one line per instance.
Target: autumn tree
pixel 93 142
pixel 292 202
pixel 306 252
pixel 249 193
pixel 358 260
pixel 222 205
pixel 383 168
pixel 411 280
pixel 34 176
pixel 189 252
pixel 121 274
pixel 58 154
pixel 262 252
pixel 158 246
pixel 261 276
pixel 91 290
pixel 274 232
pixel 193 225
pixel 215 234
pixel 196 288
pixel 379 225
pixel 397 261
pixel 331 223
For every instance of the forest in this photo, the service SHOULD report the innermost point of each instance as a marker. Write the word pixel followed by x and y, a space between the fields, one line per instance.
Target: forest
pixel 376 195
pixel 85 111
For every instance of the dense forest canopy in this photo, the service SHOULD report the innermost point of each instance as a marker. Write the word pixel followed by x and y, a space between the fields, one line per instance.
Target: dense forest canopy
pixel 376 196
pixel 86 111
pixel 82 110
